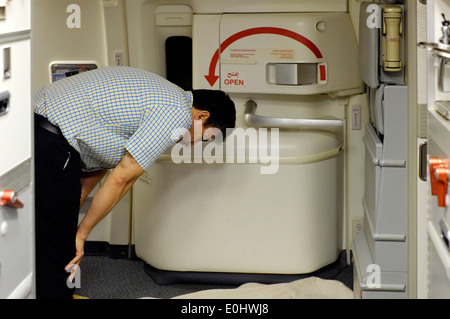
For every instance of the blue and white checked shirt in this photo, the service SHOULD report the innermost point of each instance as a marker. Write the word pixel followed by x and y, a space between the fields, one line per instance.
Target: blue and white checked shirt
pixel 105 112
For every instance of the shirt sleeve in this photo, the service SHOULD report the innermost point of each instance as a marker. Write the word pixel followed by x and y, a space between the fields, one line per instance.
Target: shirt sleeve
pixel 154 134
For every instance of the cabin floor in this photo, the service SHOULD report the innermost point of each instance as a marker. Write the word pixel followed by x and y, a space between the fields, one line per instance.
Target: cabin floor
pixel 103 277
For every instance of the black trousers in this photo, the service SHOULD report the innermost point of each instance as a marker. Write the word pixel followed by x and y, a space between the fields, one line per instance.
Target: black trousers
pixel 57 200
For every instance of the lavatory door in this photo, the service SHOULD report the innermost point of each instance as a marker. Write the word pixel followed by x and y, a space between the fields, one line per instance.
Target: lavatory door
pixel 241 216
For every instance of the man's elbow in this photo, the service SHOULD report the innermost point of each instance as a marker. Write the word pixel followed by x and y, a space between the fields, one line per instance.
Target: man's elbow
pixel 124 180
pixel 127 171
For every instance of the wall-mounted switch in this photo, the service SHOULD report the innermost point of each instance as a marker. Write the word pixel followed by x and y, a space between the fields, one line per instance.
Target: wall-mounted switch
pixel 118 58
pixel 357 226
pixel 356 117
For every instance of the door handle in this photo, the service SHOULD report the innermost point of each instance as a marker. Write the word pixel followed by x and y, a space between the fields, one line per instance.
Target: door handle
pixel 441 180
pixel 434 162
pixel 264 121
pixel 9 198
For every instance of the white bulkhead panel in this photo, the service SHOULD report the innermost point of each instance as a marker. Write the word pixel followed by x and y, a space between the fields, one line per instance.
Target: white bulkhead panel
pixel 14 63
pixel 16 176
pixel 257 222
pixel 279 53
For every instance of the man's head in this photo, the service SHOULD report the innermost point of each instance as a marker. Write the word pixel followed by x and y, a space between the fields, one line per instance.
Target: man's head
pixel 214 109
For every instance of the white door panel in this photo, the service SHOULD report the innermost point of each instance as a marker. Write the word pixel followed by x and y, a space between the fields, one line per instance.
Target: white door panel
pixel 16 247
pixel 16 127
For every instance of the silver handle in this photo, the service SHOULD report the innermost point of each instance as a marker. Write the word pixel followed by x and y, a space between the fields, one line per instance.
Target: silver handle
pixel 443 52
pixel 264 121
pixel 442 63
pixel 439 49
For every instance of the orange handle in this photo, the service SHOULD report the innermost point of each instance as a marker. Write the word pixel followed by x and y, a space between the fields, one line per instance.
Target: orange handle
pixel 441 183
pixel 8 198
pixel 434 162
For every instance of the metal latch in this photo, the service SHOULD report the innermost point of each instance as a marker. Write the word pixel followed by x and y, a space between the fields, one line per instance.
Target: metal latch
pixel 4 102
pixel 443 108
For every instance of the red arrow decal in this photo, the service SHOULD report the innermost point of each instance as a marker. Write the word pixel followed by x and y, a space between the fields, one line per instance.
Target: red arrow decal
pixel 212 78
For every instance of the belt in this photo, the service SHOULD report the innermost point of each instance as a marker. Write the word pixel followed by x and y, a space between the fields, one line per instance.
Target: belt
pixel 45 124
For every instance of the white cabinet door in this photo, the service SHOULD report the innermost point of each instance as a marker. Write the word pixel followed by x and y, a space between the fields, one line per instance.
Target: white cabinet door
pixel 16 123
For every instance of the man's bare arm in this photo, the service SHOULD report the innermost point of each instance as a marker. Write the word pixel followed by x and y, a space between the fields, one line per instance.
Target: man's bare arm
pixel 116 185
pixel 88 182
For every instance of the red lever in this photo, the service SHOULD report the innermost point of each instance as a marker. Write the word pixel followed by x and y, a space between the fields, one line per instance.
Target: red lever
pixel 8 198
pixel 434 162
pixel 441 183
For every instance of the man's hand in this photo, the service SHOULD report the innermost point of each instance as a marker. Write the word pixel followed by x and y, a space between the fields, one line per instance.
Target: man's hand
pixel 79 245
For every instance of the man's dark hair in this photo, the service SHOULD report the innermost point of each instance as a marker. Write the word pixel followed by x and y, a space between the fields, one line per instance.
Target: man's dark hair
pixel 222 112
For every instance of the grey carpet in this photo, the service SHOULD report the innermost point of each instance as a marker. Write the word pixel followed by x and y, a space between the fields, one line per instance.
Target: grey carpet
pixel 106 278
